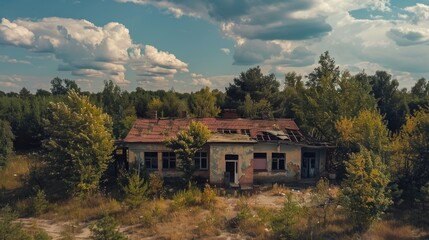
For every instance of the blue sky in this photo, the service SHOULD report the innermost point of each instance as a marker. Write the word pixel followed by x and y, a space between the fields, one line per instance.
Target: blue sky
pixel 186 45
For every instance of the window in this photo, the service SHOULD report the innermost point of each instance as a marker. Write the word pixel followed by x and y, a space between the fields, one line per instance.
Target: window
pixel 201 161
pixel 151 160
pixel 168 160
pixel 278 161
pixel 227 131
pixel 245 132
pixel 260 161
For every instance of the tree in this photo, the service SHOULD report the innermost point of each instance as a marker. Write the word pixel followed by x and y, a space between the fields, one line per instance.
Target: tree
pixel 61 87
pixel 391 102
pixel 6 142
pixel 254 83
pixel 367 129
pixel 154 106
pixel 204 103
pixel 172 105
pixel 79 143
pixel 410 158
pixel 186 144
pixel 253 110
pixel 9 228
pixel 364 192
pixel 329 96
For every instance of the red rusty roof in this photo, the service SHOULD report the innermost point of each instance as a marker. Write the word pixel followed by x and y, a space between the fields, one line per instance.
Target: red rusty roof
pixel 157 130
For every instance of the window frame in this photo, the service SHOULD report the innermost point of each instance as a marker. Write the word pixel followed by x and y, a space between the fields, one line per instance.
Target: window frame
pixel 169 159
pixel 200 158
pixel 276 161
pixel 152 160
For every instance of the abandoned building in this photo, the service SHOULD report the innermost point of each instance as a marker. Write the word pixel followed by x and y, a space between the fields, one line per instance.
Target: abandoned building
pixel 240 152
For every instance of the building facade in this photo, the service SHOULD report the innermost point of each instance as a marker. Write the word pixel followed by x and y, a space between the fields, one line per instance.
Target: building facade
pixel 240 152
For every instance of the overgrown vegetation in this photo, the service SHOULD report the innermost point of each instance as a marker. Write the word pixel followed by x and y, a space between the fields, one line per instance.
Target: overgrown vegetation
pixel 381 133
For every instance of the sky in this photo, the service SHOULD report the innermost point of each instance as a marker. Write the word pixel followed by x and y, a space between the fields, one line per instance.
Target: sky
pixel 186 45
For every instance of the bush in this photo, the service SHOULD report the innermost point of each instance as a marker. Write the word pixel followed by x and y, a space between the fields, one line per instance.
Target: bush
pixel 156 185
pixel 208 197
pixel 136 191
pixel 41 235
pixel 9 229
pixel 106 229
pixel 187 198
pixel 39 203
pixel 283 222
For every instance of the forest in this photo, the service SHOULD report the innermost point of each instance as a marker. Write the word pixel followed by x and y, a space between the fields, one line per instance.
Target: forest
pixel 380 132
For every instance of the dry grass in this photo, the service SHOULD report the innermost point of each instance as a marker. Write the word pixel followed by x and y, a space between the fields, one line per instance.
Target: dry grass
pixel 79 210
pixel 13 174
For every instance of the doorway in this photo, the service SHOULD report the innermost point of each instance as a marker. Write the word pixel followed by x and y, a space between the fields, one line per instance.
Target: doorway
pixel 231 168
pixel 308 165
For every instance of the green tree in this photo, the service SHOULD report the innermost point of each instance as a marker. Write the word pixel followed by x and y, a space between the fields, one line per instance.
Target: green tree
pixel 251 109
pixel 79 143
pixel 9 228
pixel 283 221
pixel 204 103
pixel 329 96
pixel 62 86
pixel 172 105
pixel 136 191
pixel 409 160
pixel 186 144
pixel 364 192
pixel 106 229
pixel 6 142
pixel 254 83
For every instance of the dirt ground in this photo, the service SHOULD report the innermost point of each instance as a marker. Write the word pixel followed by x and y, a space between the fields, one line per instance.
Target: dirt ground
pixel 57 229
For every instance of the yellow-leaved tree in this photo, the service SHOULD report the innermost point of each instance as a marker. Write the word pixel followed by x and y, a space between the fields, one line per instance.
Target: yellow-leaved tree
pixel 79 143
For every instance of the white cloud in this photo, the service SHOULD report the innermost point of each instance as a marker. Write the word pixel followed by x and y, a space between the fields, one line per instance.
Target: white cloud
pixel 9 85
pixel 226 50
pixel 420 11
pixel 7 59
pixel 87 50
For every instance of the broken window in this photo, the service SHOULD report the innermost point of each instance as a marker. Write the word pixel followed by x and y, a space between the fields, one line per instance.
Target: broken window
pixel 227 131
pixel 260 161
pixel 168 160
pixel 151 160
pixel 201 161
pixel 245 132
pixel 278 161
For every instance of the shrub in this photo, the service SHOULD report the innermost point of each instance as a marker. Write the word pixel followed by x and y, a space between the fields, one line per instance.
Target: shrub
pixel 106 229
pixel 39 203
pixel 41 235
pixel 187 198
pixel 283 221
pixel 156 185
pixel 208 197
pixel 136 191
pixel 9 229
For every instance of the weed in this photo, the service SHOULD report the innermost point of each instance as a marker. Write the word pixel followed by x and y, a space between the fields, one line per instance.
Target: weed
pixel 208 197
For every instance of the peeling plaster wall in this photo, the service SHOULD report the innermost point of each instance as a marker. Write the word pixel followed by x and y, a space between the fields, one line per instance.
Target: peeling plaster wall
pixel 293 163
pixel 217 163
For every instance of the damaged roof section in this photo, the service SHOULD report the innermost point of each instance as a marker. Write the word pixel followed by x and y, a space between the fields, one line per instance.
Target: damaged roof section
pixel 238 130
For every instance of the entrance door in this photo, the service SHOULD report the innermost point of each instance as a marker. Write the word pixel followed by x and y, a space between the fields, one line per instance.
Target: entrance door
pixel 308 165
pixel 231 162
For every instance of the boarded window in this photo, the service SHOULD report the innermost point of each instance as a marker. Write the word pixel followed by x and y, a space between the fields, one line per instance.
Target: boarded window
pixel 260 161
pixel 278 161
pixel 201 161
pixel 168 160
pixel 151 160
